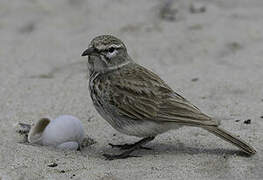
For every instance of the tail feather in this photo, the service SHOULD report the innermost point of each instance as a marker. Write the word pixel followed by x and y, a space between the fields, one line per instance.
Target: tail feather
pixel 231 138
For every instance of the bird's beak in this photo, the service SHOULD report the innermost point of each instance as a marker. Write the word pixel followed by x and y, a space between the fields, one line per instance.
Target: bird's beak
pixel 88 51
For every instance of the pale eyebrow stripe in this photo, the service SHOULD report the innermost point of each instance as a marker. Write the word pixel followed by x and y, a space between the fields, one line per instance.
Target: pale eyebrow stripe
pixel 103 47
pixel 115 46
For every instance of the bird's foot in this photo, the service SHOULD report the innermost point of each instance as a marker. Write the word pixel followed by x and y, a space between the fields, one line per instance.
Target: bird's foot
pixel 130 148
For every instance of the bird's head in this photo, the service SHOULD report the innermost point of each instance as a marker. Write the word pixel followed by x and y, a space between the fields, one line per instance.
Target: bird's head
pixel 106 53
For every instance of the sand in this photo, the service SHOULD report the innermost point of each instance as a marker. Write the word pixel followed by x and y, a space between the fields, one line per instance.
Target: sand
pixel 213 57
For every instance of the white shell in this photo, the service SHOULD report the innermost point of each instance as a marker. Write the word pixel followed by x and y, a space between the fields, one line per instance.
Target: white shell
pixel 64 132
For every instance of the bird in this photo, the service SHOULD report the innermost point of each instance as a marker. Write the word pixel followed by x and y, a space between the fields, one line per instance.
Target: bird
pixel 137 102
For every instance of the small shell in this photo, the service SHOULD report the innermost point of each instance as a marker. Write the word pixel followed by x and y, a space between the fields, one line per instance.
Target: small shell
pixel 64 132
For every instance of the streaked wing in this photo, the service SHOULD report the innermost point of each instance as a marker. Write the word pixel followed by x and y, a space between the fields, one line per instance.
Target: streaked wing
pixel 140 94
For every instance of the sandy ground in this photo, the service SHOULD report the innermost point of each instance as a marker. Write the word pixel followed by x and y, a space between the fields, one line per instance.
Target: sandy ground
pixel 213 58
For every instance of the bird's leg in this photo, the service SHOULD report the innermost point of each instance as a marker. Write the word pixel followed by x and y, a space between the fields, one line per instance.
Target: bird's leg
pixel 130 147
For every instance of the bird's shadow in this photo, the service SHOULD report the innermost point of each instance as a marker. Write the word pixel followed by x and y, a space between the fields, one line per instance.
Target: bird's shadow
pixel 160 148
pixel 181 148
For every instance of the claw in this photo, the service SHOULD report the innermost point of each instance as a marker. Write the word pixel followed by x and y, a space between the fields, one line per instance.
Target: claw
pixel 129 149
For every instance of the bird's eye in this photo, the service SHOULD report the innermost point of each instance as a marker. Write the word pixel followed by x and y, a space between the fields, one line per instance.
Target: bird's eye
pixel 111 49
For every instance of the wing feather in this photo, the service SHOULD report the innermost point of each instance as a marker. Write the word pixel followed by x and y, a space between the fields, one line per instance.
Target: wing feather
pixel 141 94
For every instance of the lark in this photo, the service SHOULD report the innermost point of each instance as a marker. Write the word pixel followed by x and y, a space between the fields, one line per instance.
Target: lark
pixel 137 102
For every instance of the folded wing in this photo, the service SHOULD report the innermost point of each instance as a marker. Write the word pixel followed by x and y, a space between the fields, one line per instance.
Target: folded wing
pixel 143 95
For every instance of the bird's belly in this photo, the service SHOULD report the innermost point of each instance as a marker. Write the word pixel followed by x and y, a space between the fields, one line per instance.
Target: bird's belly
pixel 147 128
pixel 139 128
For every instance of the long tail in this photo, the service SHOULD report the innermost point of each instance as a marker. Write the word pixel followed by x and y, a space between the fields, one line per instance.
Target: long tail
pixel 231 138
